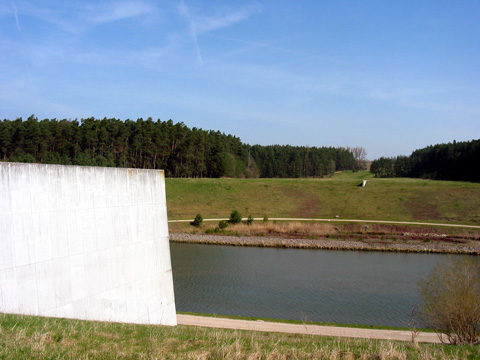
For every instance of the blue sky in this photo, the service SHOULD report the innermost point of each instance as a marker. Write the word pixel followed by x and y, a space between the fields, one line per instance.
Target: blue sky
pixel 390 76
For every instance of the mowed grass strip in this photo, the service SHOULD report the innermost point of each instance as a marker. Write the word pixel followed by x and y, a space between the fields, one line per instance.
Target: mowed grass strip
pixel 28 337
pixel 400 199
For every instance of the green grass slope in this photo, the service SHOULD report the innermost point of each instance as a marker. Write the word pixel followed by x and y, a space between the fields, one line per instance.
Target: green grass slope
pixel 28 337
pixel 399 199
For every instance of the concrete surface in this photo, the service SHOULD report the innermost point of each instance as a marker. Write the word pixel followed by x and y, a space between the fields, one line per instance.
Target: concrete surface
pixel 224 323
pixel 85 242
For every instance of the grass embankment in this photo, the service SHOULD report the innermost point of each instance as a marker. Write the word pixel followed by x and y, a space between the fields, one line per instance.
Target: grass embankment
pixel 26 337
pixel 382 199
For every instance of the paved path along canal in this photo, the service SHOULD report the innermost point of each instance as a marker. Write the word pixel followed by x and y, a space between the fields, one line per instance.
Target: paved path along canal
pixel 251 325
pixel 345 220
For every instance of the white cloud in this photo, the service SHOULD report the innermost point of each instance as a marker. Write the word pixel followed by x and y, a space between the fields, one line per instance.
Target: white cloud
pixel 24 93
pixel 200 23
pixel 117 11
pixel 78 19
pixel 152 55
pixel 209 23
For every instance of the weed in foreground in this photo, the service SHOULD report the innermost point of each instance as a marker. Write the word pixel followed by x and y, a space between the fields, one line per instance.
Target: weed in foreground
pixel 451 300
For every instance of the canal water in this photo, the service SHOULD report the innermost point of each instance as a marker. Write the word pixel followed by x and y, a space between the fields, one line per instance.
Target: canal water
pixel 349 287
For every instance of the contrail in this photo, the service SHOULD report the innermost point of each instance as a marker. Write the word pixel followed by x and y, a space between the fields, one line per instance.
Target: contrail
pixel 193 30
pixel 15 12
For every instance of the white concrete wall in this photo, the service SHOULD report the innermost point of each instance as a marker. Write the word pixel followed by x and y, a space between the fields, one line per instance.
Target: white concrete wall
pixel 85 242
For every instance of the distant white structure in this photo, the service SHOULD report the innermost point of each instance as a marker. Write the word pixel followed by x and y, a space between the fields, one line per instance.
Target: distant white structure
pixel 364 183
pixel 85 242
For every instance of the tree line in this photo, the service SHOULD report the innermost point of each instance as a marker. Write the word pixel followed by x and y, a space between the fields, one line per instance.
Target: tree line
pixel 173 147
pixel 452 161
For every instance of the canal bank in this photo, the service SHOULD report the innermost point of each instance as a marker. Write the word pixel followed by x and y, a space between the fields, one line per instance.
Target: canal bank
pixel 326 244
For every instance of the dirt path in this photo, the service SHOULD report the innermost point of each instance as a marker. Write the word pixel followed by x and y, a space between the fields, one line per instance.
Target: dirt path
pixel 349 220
pixel 266 326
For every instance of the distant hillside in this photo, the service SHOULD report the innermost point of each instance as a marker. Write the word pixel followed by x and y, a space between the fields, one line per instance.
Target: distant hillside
pixel 400 199
pixel 452 161
pixel 173 147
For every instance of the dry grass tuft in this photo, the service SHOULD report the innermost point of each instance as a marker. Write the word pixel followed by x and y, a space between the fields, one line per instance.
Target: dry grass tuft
pixel 283 228
pixel 367 233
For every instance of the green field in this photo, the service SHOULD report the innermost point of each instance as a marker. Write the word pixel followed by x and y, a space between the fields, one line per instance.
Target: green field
pixel 399 199
pixel 27 337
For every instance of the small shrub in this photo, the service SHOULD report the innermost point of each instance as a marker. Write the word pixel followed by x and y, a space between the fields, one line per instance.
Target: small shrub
pixel 235 217
pixel 451 300
pixel 222 225
pixel 250 220
pixel 197 221
pixel 265 219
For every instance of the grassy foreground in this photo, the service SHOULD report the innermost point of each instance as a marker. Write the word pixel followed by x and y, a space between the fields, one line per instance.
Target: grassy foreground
pixel 27 337
pixel 399 199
